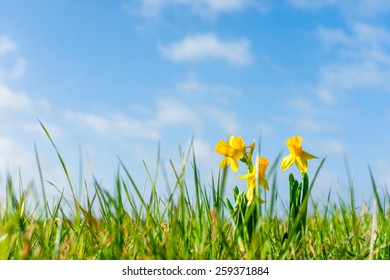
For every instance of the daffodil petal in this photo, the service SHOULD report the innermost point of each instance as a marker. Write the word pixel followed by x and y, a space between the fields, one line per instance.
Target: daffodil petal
pixel 307 155
pixel 236 142
pixel 301 163
pixel 232 141
pixel 225 162
pixel 224 148
pixel 287 161
pixel 244 176
pixel 263 182
pixel 234 164
pixel 239 143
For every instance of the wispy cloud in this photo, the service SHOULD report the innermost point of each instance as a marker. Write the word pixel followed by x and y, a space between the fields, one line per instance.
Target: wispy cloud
pixel 204 152
pixel 228 122
pixel 363 58
pixel 150 8
pixel 6 45
pixel 192 85
pixel 18 112
pixel 12 65
pixel 168 113
pixel 32 126
pixel 308 123
pixel 312 4
pixel 332 146
pixel 200 47
pixel 308 113
pixel 114 124
pixel 172 111
pixel 10 100
pixel 361 75
pixel 13 155
pixel 15 70
pixel 19 69
pixel 364 39
pixel 351 8
pixel 12 68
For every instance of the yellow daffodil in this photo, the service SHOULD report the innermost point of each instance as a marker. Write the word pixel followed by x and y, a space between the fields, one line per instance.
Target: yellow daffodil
pixel 233 151
pixel 297 155
pixel 258 173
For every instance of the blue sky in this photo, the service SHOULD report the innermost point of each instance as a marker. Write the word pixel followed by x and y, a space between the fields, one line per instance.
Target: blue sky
pixel 119 77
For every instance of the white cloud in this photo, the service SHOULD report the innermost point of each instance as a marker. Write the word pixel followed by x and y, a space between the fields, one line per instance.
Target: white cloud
pixel 352 8
pixel 114 124
pixel 172 111
pixel 204 152
pixel 6 45
pixel 55 130
pixel 312 4
pixel 365 7
pixel 224 118
pixel 146 8
pixel 169 113
pixel 364 58
pixel 10 100
pixel 12 65
pixel 203 7
pixel 305 105
pixel 333 36
pixel 18 113
pixel 13 156
pixel 309 124
pixel 19 68
pixel 333 147
pixel 309 114
pixel 364 39
pixel 325 94
pixel 208 46
pixel 356 76
pixel 97 123
pixel 191 85
pixel 224 5
pixel 265 129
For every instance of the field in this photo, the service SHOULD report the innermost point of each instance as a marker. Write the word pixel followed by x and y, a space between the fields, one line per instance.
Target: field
pixel 194 222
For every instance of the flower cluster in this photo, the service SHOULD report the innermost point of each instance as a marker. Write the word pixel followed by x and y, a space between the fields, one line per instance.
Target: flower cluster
pixel 235 150
pixel 244 214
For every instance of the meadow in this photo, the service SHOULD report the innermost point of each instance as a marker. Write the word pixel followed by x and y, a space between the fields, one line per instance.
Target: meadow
pixel 195 221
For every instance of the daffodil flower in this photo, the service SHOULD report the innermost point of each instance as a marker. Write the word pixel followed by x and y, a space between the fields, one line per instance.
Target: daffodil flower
pixel 233 151
pixel 258 173
pixel 297 155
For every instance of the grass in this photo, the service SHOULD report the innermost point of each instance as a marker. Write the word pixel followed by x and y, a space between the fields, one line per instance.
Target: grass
pixel 191 223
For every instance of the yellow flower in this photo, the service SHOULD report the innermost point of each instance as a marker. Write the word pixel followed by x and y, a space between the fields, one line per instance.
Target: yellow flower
pixel 233 151
pixel 258 174
pixel 296 155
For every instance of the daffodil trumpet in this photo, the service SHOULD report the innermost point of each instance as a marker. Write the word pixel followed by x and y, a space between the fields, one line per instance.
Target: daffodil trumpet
pixel 297 155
